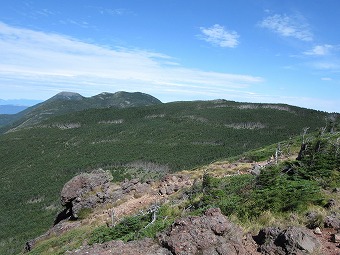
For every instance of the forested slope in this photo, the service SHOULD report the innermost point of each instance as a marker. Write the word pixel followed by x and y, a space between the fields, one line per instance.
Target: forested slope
pixel 36 161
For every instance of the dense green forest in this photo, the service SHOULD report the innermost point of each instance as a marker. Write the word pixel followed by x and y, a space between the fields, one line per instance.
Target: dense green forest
pixel 35 162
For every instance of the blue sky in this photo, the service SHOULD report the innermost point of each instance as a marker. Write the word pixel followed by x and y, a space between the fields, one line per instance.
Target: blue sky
pixel 247 50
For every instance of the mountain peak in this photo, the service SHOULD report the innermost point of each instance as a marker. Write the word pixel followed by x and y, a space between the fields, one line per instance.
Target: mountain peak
pixel 65 95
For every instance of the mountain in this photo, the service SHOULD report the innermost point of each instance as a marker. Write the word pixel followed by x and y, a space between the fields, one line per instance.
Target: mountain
pixel 40 156
pixel 66 102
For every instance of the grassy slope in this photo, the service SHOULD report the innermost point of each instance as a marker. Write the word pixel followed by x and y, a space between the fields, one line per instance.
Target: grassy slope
pixel 35 163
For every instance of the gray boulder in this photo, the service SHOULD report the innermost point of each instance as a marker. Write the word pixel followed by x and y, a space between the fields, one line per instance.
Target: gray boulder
pixel 256 170
pixel 332 220
pixel 293 240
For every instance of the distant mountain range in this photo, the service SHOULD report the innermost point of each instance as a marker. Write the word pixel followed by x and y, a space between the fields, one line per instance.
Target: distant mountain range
pixel 11 109
pixel 22 102
pixel 66 102
pixel 14 106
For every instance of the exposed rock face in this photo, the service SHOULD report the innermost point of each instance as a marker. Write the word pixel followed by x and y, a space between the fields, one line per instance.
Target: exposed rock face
pixel 141 247
pixel 209 234
pixel 293 240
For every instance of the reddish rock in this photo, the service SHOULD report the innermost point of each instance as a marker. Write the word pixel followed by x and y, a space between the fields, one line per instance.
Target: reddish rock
pixel 209 234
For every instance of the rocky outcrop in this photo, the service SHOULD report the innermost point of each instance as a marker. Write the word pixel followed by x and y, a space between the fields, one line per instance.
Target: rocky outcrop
pixel 209 234
pixel 88 190
pixel 172 183
pixel 84 191
pixel 293 240
pixel 135 187
pixel 84 183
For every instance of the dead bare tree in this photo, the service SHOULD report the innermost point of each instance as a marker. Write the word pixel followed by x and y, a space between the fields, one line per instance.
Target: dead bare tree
pixel 336 145
pixel 154 210
pixel 289 144
pixel 278 153
pixel 303 144
pixel 332 122
pixel 305 130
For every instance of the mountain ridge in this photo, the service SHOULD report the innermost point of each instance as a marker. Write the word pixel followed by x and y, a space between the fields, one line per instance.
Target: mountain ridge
pixel 67 102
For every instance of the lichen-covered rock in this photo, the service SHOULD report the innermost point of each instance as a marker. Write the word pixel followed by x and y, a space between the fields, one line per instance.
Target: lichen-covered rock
pixel 209 234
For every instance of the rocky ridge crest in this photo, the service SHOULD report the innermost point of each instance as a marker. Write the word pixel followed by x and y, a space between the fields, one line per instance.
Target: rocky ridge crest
pixel 212 233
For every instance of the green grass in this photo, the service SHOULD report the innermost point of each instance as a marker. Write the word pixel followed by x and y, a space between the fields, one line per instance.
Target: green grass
pixel 137 226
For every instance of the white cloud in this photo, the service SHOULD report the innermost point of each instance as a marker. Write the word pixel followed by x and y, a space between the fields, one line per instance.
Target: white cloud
pixel 219 36
pixel 288 26
pixel 320 50
pixel 326 79
pixel 32 61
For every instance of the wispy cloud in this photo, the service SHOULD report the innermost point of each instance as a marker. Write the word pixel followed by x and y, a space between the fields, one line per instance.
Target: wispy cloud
pixel 219 36
pixel 320 50
pixel 330 65
pixel 31 60
pixel 82 24
pixel 113 12
pixel 45 12
pixel 288 26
